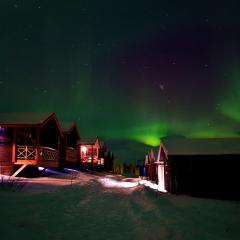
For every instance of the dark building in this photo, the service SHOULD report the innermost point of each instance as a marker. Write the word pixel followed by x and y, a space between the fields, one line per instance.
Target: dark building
pixel 92 152
pixel 199 167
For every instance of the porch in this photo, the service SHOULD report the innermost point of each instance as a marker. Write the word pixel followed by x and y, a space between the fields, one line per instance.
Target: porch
pixel 32 155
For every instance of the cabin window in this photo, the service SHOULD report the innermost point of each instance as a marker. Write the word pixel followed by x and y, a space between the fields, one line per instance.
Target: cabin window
pixel 89 153
pixel 85 153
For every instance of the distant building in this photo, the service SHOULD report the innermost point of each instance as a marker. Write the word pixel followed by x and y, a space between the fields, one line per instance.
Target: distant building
pixel 91 152
pixel 199 167
pixel 155 168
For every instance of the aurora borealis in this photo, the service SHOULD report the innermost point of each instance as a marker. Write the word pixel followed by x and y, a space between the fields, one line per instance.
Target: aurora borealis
pixel 135 70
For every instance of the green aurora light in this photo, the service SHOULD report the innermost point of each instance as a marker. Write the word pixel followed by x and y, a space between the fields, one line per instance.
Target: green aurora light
pixel 231 103
pixel 123 70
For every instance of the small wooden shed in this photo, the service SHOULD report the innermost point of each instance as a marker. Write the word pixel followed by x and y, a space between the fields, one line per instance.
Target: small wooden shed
pixel 200 167
pixel 29 138
pixel 69 152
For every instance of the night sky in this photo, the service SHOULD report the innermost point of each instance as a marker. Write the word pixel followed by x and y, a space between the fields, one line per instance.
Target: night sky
pixel 134 70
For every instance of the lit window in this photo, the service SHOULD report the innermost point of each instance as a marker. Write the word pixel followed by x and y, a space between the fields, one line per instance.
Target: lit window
pixel 84 150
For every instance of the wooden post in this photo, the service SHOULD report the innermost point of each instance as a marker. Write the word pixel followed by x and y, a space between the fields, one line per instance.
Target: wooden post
pixel 97 153
pixel 92 157
pixel 14 145
pixel 19 170
pixel 58 150
pixel 65 147
pixel 37 146
pixel 66 139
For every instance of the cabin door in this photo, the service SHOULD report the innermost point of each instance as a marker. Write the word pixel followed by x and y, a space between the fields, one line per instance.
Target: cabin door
pixel 161 178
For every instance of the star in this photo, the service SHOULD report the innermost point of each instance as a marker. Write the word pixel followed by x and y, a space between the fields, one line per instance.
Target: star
pixel 99 44
pixel 147 67
pixel 218 106
pixel 161 86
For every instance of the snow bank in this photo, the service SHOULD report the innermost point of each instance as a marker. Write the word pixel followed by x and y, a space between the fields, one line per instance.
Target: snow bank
pixel 152 185
pixel 87 210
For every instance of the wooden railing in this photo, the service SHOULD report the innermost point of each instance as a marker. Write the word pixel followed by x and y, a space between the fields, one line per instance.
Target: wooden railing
pixel 25 152
pixel 48 154
pixel 71 154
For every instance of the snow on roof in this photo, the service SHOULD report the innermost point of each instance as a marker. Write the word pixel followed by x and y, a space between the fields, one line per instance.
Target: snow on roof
pixel 88 141
pixel 91 141
pixel 213 146
pixel 24 118
pixel 68 127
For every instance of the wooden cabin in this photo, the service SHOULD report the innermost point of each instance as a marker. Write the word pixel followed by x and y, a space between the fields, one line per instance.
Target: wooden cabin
pixel 150 160
pixel 155 168
pixel 28 139
pixel 200 167
pixel 69 152
pixel 91 152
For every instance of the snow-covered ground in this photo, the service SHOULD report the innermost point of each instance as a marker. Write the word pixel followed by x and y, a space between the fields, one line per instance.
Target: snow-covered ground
pixel 57 179
pixel 87 206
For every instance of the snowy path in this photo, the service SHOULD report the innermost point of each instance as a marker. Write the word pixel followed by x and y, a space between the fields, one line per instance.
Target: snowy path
pixel 80 178
pixel 97 207
pixel 60 179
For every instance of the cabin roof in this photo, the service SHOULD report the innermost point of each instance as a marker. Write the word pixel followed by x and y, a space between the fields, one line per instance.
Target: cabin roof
pixel 24 118
pixel 68 127
pixel 213 146
pixel 89 141
pixel 27 119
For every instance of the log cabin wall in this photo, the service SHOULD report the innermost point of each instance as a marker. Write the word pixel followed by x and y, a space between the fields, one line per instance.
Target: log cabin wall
pixel 49 135
pixel 167 175
pixel 72 139
pixel 69 152
pixel 69 156
pixel 49 145
pixel 6 164
pixel 214 176
pixel 181 182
